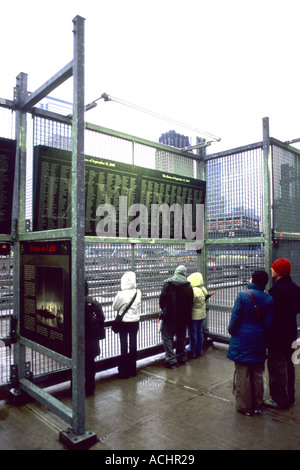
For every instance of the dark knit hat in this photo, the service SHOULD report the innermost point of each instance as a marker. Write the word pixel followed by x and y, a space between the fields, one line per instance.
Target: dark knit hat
pixel 282 267
pixel 260 278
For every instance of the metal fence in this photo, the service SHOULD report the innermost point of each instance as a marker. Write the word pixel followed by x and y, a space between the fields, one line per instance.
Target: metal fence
pixel 286 203
pixel 236 233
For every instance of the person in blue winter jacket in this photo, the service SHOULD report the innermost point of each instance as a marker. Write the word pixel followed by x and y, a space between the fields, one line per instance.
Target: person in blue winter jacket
pixel 249 326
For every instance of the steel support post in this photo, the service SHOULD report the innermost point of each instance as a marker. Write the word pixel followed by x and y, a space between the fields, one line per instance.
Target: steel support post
pixel 18 216
pixel 267 195
pixel 78 435
pixel 201 175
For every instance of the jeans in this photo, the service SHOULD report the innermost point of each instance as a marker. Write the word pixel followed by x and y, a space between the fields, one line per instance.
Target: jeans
pixel 196 337
pixel 128 340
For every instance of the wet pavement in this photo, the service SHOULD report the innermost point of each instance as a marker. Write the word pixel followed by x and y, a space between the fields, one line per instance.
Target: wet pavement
pixel 189 408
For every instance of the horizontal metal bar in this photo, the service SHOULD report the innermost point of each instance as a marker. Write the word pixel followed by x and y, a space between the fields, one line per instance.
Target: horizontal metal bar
pixel 234 241
pixel 47 234
pixel 7 103
pixel 221 308
pixel 135 241
pixel 66 361
pixel 61 76
pixel 225 153
pixel 47 400
pixel 50 115
pixel 286 236
pixel 5 238
pixel 218 338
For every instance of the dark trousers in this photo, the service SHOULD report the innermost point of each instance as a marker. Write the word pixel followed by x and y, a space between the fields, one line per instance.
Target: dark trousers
pixel 92 350
pixel 128 340
pixel 248 386
pixel 281 378
pixel 90 371
pixel 168 333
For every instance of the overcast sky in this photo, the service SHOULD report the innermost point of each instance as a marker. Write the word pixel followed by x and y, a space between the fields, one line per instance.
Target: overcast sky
pixel 219 66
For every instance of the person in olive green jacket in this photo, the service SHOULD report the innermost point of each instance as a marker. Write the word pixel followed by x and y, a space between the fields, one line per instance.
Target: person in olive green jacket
pixel 195 326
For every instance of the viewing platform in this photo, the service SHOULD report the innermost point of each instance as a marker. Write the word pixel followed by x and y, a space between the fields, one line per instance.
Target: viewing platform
pixel 189 408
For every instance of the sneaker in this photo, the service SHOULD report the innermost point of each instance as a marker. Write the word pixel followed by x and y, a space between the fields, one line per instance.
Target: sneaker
pixel 271 403
pixel 246 413
pixel 259 412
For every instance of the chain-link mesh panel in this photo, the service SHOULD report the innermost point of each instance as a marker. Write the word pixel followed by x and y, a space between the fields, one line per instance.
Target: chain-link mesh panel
pixel 5 363
pixel 289 249
pixel 153 264
pixel 52 133
pixel 234 198
pixel 286 190
pixel 6 292
pixel 6 310
pixel 108 147
pixel 177 164
pixel 229 269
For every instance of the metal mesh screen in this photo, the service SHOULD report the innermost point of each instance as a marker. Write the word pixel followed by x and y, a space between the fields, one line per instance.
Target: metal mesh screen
pixel 289 249
pixel 229 269
pixel 6 306
pixel 153 264
pixel 234 209
pixel 108 147
pixel 234 201
pixel 286 189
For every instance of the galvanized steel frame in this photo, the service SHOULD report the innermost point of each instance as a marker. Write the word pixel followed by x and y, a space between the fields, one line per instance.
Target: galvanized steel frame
pixel 23 104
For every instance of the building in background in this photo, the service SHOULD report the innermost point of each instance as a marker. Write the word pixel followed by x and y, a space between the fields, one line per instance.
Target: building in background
pixel 172 163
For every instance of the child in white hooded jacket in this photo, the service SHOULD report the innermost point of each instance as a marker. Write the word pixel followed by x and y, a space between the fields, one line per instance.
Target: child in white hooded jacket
pixel 130 323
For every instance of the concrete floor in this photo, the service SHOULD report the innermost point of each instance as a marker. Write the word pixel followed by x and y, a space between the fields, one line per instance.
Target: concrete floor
pixel 189 408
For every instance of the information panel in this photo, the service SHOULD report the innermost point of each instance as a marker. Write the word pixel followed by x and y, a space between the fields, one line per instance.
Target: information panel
pixel 45 294
pixel 126 196
pixel 7 171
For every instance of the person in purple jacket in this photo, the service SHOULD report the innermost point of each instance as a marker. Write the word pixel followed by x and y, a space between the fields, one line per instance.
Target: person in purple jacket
pixel 249 326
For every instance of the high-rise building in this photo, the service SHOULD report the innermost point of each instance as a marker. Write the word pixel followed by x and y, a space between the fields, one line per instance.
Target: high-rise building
pixel 174 139
pixel 171 162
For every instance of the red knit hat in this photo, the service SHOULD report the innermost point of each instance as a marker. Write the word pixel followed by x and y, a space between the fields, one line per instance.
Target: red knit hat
pixel 282 267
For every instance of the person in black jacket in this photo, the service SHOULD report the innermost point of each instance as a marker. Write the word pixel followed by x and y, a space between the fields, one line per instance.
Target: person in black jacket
pixel 176 301
pixel 94 332
pixel 286 306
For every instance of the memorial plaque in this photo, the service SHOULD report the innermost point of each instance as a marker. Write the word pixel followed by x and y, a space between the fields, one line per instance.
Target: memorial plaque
pixel 126 198
pixel 7 171
pixel 52 190
pixel 45 294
